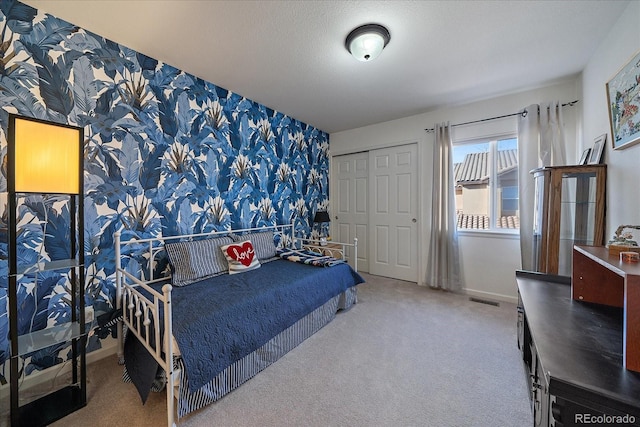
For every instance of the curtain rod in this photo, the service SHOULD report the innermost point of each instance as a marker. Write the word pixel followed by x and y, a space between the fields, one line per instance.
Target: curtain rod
pixel 523 114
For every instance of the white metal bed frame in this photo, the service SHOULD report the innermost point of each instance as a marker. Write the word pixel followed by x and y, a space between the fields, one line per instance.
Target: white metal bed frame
pixel 140 313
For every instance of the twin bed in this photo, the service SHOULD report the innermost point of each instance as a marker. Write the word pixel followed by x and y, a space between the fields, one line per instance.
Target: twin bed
pixel 204 313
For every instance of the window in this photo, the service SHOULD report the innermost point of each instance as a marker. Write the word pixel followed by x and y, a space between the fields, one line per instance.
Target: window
pixel 486 179
pixel 509 201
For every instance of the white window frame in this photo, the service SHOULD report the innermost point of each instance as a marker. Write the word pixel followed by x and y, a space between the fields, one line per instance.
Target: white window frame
pixel 493 178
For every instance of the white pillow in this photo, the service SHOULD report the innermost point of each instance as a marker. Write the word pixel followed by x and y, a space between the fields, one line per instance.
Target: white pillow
pixel 241 256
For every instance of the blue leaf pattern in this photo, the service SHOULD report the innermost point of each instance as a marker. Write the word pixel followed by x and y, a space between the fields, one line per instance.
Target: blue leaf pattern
pixel 166 153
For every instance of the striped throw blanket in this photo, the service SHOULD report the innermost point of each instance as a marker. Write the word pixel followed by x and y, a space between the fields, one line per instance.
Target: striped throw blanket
pixel 308 257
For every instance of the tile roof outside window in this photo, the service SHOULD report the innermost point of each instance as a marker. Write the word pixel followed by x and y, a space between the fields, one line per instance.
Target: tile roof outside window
pixel 474 170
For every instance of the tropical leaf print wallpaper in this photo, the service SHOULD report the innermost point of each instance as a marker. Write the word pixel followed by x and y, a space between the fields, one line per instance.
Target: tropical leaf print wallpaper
pixel 166 153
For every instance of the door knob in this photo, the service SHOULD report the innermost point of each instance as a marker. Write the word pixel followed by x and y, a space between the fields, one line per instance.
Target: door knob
pixel 414 220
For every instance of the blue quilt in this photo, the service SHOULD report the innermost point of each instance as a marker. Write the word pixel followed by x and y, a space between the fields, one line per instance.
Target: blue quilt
pixel 219 320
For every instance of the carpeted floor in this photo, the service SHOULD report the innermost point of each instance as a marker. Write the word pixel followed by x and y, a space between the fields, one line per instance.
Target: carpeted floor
pixel 403 356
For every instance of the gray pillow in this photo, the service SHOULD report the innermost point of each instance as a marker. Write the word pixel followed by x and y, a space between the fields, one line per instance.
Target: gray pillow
pixel 262 243
pixel 196 260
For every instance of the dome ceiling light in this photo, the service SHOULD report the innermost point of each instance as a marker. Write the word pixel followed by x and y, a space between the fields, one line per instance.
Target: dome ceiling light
pixel 367 41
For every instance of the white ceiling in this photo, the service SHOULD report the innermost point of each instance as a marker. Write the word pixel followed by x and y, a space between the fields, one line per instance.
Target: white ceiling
pixel 290 55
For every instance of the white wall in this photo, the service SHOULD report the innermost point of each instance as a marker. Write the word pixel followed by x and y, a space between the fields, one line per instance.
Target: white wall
pixel 488 261
pixel 623 171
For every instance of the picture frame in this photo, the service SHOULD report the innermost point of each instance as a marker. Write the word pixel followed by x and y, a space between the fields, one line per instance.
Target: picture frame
pixel 598 148
pixel 626 235
pixel 585 157
pixel 623 97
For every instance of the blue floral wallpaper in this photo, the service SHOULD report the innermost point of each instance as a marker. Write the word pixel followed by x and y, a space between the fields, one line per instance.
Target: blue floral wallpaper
pixel 166 153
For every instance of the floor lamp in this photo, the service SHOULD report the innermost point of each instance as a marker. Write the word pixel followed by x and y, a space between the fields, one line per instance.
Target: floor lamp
pixel 46 159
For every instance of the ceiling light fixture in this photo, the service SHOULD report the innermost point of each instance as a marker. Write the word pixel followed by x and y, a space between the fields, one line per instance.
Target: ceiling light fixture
pixel 367 41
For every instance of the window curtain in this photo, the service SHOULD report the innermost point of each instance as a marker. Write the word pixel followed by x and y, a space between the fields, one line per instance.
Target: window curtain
pixel 541 142
pixel 443 265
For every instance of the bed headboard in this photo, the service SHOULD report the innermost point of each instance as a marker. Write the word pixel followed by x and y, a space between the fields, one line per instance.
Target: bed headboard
pixel 150 253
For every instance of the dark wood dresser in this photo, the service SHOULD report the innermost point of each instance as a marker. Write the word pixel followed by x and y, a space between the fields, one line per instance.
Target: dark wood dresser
pixel 573 356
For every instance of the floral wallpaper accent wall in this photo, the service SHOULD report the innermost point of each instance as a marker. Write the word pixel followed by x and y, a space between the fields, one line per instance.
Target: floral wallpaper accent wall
pixel 166 153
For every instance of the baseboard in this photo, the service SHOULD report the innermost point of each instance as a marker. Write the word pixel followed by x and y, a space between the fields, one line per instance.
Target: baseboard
pixel 109 348
pixel 490 296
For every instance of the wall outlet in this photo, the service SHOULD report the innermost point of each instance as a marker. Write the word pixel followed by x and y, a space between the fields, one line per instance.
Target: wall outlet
pixel 89 314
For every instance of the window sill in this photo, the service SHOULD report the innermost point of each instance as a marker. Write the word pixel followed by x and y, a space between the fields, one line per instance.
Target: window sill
pixel 494 234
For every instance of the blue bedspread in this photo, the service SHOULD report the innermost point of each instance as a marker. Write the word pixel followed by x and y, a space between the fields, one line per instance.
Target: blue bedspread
pixel 222 319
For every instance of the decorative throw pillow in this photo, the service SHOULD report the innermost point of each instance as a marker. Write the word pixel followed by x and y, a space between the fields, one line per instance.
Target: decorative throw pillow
pixel 262 242
pixel 196 260
pixel 240 256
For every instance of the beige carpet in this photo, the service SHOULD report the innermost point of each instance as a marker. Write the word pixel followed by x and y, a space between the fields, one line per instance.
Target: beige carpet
pixel 403 356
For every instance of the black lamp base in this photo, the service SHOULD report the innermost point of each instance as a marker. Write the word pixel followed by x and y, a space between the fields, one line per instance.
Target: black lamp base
pixel 51 407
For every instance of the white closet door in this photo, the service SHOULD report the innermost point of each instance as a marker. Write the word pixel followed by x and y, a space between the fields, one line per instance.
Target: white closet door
pixel 350 210
pixel 393 213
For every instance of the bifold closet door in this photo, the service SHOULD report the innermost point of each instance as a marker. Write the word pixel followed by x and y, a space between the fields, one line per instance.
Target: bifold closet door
pixel 351 204
pixel 393 212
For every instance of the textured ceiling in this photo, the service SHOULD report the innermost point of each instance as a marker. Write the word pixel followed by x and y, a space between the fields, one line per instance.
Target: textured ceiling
pixel 290 55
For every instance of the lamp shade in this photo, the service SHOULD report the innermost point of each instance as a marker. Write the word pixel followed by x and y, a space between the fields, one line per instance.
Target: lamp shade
pixel 46 156
pixel 322 216
pixel 366 42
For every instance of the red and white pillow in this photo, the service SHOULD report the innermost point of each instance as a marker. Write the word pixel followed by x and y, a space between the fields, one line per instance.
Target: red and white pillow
pixel 241 256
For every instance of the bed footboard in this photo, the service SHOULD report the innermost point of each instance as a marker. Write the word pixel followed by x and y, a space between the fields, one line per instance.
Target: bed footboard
pixel 333 249
pixel 147 314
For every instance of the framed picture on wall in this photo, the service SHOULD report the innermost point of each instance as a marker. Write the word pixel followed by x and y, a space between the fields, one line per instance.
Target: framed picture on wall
pixel 596 151
pixel 623 96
